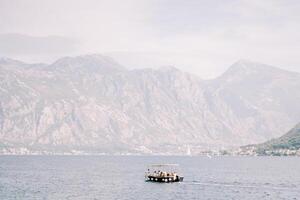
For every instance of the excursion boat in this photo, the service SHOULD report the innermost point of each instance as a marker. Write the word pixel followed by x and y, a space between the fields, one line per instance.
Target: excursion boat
pixel 163 173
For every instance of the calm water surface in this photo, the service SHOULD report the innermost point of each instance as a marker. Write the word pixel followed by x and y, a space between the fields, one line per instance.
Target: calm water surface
pixel 122 177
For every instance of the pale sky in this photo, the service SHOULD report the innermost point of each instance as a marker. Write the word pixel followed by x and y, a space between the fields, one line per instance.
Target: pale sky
pixel 197 36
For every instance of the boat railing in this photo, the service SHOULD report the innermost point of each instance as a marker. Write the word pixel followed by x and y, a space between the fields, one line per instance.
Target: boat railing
pixel 161 174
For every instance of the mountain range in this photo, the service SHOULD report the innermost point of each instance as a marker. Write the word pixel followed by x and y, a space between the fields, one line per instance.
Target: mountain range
pixel 92 104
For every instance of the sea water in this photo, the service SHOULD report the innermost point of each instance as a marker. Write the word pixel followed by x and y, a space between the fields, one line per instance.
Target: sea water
pixel 122 177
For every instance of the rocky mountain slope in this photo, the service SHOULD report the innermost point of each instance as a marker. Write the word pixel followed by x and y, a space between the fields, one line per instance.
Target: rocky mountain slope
pixel 290 140
pixel 92 104
pixel 288 144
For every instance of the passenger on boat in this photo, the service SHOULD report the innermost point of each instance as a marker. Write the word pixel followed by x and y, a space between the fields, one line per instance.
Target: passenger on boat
pixel 174 176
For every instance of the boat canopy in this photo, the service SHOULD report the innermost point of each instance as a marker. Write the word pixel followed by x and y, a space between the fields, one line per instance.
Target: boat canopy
pixel 164 168
pixel 163 165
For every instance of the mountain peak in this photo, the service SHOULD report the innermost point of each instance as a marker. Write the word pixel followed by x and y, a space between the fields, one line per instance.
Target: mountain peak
pixel 244 61
pixel 168 68
pixel 9 61
pixel 245 67
pixel 87 63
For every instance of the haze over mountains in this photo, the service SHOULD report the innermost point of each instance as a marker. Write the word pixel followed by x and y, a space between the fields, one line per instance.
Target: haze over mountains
pixel 92 104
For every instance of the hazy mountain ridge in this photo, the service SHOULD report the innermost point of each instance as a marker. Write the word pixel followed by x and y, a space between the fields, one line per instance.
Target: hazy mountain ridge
pixel 288 144
pixel 290 140
pixel 90 103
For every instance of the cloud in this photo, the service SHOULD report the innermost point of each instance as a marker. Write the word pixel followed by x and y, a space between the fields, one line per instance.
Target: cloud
pixel 20 44
pixel 35 48
pixel 201 37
